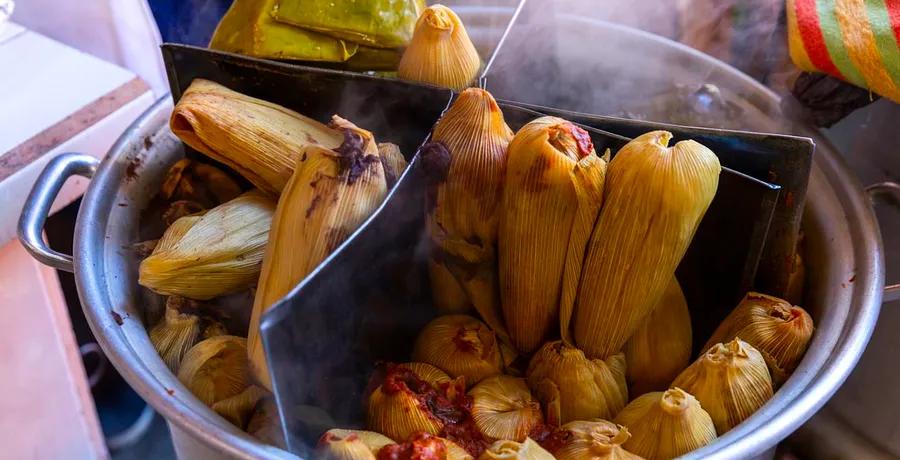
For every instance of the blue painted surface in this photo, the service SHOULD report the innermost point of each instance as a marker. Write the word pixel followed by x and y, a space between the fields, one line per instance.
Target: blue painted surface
pixel 188 21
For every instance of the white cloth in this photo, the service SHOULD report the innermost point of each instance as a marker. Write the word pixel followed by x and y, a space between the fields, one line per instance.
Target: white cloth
pixel 122 32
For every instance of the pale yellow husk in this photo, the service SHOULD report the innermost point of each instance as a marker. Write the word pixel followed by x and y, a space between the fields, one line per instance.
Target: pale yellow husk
pixel 216 368
pixel 665 425
pixel 440 52
pixel 512 450
pixel 572 386
pixel 260 140
pixel 459 345
pixel 503 408
pixel 330 194
pixel 239 408
pixel 399 415
pixel 463 221
pixel 654 199
pixel 731 381
pixel 661 347
pixel 393 162
pixel 174 335
pixel 594 440
pixel 779 331
pixel 218 253
pixel 374 441
pixel 340 444
pixel 538 235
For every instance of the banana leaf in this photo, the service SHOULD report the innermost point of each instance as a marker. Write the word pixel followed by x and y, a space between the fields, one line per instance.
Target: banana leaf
pixel 377 23
pixel 248 28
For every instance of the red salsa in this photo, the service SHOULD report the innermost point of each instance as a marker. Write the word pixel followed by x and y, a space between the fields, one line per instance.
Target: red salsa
pixel 419 446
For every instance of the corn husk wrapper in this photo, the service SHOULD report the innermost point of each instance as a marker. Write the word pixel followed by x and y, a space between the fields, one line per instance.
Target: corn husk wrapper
pixel 730 380
pixel 372 440
pixel 393 162
pixel 248 28
pixel 218 253
pixel 378 23
pixel 400 414
pixel 340 444
pixel 198 182
pixel 503 408
pixel 260 140
pixel 459 345
pixel 654 199
pixel 572 386
pixel 330 195
pixel 265 424
pixel 779 331
pixel 661 347
pixel 594 440
pixel 665 425
pixel 469 149
pixel 216 368
pixel 239 408
pixel 440 52
pixel 553 193
pixel 175 334
pixel 512 450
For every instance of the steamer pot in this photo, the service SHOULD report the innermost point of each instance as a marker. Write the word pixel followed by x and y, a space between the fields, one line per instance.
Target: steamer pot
pixel 844 250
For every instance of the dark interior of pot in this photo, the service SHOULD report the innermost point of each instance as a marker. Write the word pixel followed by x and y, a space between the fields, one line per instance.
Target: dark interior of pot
pixel 365 304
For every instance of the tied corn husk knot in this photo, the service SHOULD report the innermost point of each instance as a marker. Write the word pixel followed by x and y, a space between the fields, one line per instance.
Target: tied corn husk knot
pixel 465 165
pixel 209 255
pixel 330 194
pixel 338 444
pixel 503 408
pixel 239 408
pixel 459 345
pixel 731 382
pixel 653 201
pixel 175 334
pixel 440 52
pixel 398 408
pixel 661 347
pixel 512 450
pixel 665 425
pixel 779 331
pixel 593 440
pixel 553 193
pixel 260 140
pixel 216 368
pixel 572 386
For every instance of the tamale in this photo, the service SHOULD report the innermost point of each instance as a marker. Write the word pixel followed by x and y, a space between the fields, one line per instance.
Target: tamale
pixel 329 195
pixel 248 28
pixel 441 52
pixel 552 176
pixel 258 139
pixel 220 252
pixel 466 165
pixel 377 23
pixel 654 198
pixel 368 58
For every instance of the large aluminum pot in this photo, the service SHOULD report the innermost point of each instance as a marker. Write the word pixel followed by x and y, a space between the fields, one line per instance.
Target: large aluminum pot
pixel 843 246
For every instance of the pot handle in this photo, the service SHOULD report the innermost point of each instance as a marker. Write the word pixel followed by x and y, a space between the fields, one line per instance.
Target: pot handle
pixel 37 206
pixel 892 291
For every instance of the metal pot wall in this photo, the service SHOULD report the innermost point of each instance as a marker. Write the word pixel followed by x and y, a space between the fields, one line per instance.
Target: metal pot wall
pixel 843 244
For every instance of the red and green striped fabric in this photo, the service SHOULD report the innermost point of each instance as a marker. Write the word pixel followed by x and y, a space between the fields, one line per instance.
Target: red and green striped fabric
pixel 855 40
